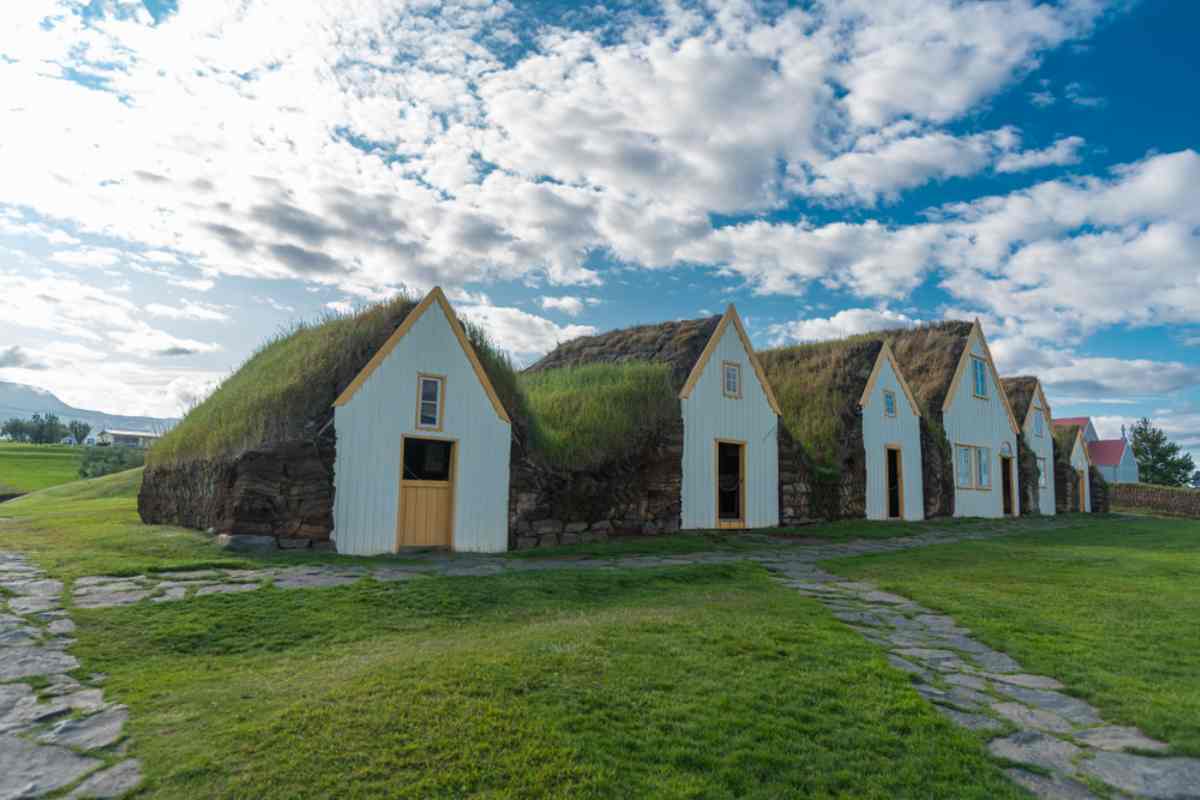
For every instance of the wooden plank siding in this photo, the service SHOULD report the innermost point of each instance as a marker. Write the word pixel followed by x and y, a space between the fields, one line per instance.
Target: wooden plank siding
pixel 709 415
pixel 903 432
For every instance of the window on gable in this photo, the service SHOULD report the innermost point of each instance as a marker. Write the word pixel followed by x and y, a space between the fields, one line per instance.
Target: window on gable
pixel 731 379
pixel 889 403
pixel 1038 422
pixel 979 369
pixel 430 397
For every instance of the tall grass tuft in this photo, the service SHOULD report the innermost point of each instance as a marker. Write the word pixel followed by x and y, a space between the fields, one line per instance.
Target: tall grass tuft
pixel 588 415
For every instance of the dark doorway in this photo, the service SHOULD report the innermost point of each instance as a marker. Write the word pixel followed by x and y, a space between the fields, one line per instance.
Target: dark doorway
pixel 427 459
pixel 895 485
pixel 1006 484
pixel 730 489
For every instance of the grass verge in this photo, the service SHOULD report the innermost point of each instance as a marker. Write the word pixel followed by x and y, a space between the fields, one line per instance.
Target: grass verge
pixel 697 682
pixel 1108 607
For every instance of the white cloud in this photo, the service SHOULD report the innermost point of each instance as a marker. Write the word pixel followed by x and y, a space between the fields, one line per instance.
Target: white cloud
pixel 1066 373
pixel 340 306
pixel 1042 99
pixel 523 334
pixel 849 322
pixel 187 310
pixel 571 306
pixel 1076 93
pixel 1063 152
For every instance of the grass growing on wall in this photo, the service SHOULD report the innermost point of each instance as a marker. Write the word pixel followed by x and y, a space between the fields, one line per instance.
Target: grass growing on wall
pixel 286 390
pixel 584 416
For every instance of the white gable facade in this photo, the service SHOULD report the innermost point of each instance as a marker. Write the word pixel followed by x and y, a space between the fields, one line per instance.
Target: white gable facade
pixel 1038 431
pixel 982 435
pixel 1127 470
pixel 727 409
pixel 891 422
pixel 1080 463
pixel 424 391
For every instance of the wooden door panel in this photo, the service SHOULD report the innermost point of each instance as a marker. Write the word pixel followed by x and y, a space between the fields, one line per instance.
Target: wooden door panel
pixel 424 514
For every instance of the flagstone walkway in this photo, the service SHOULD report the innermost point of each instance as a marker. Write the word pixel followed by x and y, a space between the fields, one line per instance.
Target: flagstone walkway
pixel 56 730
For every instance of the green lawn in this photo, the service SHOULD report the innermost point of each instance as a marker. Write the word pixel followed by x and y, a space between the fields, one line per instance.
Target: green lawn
pixel 690 682
pixel 1111 608
pixel 29 467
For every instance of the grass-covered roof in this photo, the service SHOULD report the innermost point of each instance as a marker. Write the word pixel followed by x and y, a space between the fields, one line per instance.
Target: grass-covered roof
pixel 819 384
pixel 1021 390
pixel 1064 441
pixel 678 344
pixel 286 389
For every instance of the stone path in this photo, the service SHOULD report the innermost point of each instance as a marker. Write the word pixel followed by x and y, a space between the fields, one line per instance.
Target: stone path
pixel 61 732
pixel 55 730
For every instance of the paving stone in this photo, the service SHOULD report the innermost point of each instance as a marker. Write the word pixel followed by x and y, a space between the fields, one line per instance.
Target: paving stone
pixel 1038 749
pixel 1025 681
pixel 1075 710
pixel 993 661
pixel 941 660
pixel 226 588
pixel 96 580
pixel 30 770
pixel 20 708
pixel 112 782
pixel 36 588
pixel 1173 778
pixel 1116 737
pixel 88 733
pixel 316 581
pixel 193 575
pixel 108 588
pixel 29 605
pixel 1025 717
pixel 885 597
pixel 973 722
pixel 956 696
pixel 969 681
pixel 61 627
pixel 1049 787
pixel 87 700
pixel 110 599
pixel 906 666
pixel 19 636
pixel 170 594
pixel 23 662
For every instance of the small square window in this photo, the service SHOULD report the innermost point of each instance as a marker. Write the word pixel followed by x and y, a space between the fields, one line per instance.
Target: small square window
pixel 979 367
pixel 731 379
pixel 429 401
pixel 889 403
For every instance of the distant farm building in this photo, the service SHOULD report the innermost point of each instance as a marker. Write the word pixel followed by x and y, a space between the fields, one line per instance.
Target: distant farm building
pixel 117 438
pixel 1114 459
pixel 1072 468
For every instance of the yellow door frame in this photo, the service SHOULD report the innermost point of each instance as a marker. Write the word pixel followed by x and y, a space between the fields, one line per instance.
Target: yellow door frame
pixel 887 489
pixel 740 522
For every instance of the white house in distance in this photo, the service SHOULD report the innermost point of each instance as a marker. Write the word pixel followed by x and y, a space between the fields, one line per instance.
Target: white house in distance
pixel 892 443
pixel 1029 404
pixel 422 444
pixel 1114 459
pixel 730 473
pixel 116 438
pixel 983 434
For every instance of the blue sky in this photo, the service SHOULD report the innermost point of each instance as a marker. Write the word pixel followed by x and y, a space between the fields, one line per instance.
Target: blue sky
pixel 183 180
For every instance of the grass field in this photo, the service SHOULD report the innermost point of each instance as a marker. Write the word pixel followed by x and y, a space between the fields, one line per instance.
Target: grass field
pixel 29 467
pixel 691 682
pixel 1110 609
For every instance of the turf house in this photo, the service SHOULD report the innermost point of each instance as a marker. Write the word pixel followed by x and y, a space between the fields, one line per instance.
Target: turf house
pixel 1072 469
pixel 1035 459
pixel 259 459
pixel 861 426
pixel 648 429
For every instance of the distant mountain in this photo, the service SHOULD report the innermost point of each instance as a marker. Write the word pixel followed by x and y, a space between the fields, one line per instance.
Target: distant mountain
pixel 21 401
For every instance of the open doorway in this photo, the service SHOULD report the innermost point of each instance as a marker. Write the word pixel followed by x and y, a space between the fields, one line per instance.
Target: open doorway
pixel 731 484
pixel 1006 484
pixel 895 484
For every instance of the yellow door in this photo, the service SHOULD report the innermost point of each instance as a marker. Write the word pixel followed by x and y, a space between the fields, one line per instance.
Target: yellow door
pixel 426 514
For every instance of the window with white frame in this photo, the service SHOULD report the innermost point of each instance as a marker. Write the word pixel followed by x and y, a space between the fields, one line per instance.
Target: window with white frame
pixel 963 456
pixel 430 394
pixel 1042 472
pixel 731 379
pixel 979 371
pixel 983 468
pixel 889 403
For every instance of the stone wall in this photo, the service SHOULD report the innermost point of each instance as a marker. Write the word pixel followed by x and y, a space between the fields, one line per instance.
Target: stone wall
pixel 1027 479
pixel 937 471
pixel 638 494
pixel 807 495
pixel 1160 499
pixel 1066 488
pixel 285 491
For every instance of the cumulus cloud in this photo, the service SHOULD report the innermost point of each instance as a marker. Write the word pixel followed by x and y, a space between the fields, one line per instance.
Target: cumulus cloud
pixel 849 322
pixel 1063 152
pixel 187 310
pixel 16 358
pixel 567 304
pixel 1066 373
pixel 523 334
